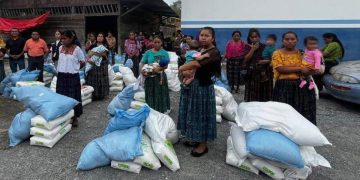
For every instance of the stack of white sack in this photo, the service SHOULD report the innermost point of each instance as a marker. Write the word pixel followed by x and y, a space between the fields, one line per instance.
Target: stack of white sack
pixel 49 72
pixel 275 139
pixel 117 83
pixel 229 104
pixel 29 83
pixel 54 82
pixel 86 94
pixel 219 109
pixel 48 133
pixel 47 117
pixel 159 135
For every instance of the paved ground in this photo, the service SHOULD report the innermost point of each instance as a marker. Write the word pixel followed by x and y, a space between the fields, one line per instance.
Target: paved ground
pixel 339 121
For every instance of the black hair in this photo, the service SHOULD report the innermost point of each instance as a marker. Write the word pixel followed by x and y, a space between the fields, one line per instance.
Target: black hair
pixel 335 39
pixel 235 32
pixel 158 37
pixel 58 31
pixel 310 38
pixel 212 32
pixel 272 36
pixel 104 41
pixel 70 34
pixel 289 32
pixel 252 31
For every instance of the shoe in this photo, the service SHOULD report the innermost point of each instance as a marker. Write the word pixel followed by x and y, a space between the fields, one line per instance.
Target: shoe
pixel 302 84
pixel 74 122
pixel 196 154
pixel 191 144
pixel 311 85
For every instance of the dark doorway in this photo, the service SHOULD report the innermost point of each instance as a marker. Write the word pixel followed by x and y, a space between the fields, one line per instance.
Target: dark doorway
pixel 101 24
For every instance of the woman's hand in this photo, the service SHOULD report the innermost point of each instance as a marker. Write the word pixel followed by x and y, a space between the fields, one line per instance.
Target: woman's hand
pixel 305 71
pixel 255 46
pixel 264 62
pixel 157 69
pixel 90 54
pixel 144 73
pixel 91 62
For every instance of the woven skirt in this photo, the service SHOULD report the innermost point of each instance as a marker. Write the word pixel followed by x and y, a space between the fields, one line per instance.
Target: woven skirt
pixel 2 70
pixel 256 89
pixel 301 99
pixel 98 78
pixel 156 94
pixel 197 112
pixel 69 85
pixel 233 70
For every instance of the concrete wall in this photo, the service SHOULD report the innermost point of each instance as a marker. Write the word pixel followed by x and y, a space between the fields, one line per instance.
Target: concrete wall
pixel 305 17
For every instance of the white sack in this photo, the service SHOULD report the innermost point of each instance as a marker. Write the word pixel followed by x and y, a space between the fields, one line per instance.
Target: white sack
pixel 29 83
pixel 158 126
pixel 117 83
pixel 228 103
pixel 279 117
pixel 39 141
pixel 116 89
pixel 239 141
pixel 128 75
pixel 270 170
pixel 86 102
pixel 53 84
pixel 234 160
pixel 84 98
pixel 218 101
pixel 295 173
pixel 111 74
pixel 126 166
pixel 173 80
pixel 137 104
pixel 86 90
pixel 166 153
pixel 218 118
pixel 312 158
pixel 40 122
pixel 219 110
pixel 149 159
pixel 117 76
pixel 48 134
pixel 140 96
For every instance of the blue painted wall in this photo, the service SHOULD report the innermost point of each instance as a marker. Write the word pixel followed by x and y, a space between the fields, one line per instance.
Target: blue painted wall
pixel 350 37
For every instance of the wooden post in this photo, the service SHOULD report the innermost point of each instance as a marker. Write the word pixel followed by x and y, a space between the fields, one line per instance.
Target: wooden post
pixel 119 43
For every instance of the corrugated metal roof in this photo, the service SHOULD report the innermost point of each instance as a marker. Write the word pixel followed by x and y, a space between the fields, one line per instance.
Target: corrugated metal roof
pixel 154 6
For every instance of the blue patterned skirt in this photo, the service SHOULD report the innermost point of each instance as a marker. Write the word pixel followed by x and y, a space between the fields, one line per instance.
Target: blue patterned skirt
pixel 197 112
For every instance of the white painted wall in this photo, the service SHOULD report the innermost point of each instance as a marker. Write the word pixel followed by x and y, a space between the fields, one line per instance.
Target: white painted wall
pixel 271 10
pixel 244 10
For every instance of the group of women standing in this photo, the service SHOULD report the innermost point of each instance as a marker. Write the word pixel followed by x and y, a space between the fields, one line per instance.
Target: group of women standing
pixel 197 107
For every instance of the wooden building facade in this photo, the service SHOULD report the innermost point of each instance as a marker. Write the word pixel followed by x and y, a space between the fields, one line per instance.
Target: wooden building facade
pixel 117 16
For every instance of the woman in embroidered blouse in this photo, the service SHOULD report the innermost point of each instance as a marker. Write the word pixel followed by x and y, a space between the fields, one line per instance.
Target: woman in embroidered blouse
pixel 156 84
pixel 132 50
pixel 287 70
pixel 234 53
pixel 68 79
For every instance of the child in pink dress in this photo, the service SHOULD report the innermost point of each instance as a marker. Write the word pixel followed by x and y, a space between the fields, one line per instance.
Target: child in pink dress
pixel 312 59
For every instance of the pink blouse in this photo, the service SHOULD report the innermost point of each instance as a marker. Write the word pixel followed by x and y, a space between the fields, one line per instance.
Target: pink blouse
pixel 235 49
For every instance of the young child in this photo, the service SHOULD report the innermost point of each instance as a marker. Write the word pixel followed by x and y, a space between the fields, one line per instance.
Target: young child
pixel 191 55
pixel 270 47
pixel 2 69
pixel 312 59
pixel 96 59
pixel 267 55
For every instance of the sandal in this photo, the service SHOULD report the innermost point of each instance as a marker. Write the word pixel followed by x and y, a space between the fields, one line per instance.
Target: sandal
pixel 196 154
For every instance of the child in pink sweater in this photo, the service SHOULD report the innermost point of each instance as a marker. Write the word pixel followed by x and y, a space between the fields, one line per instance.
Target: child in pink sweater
pixel 312 59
